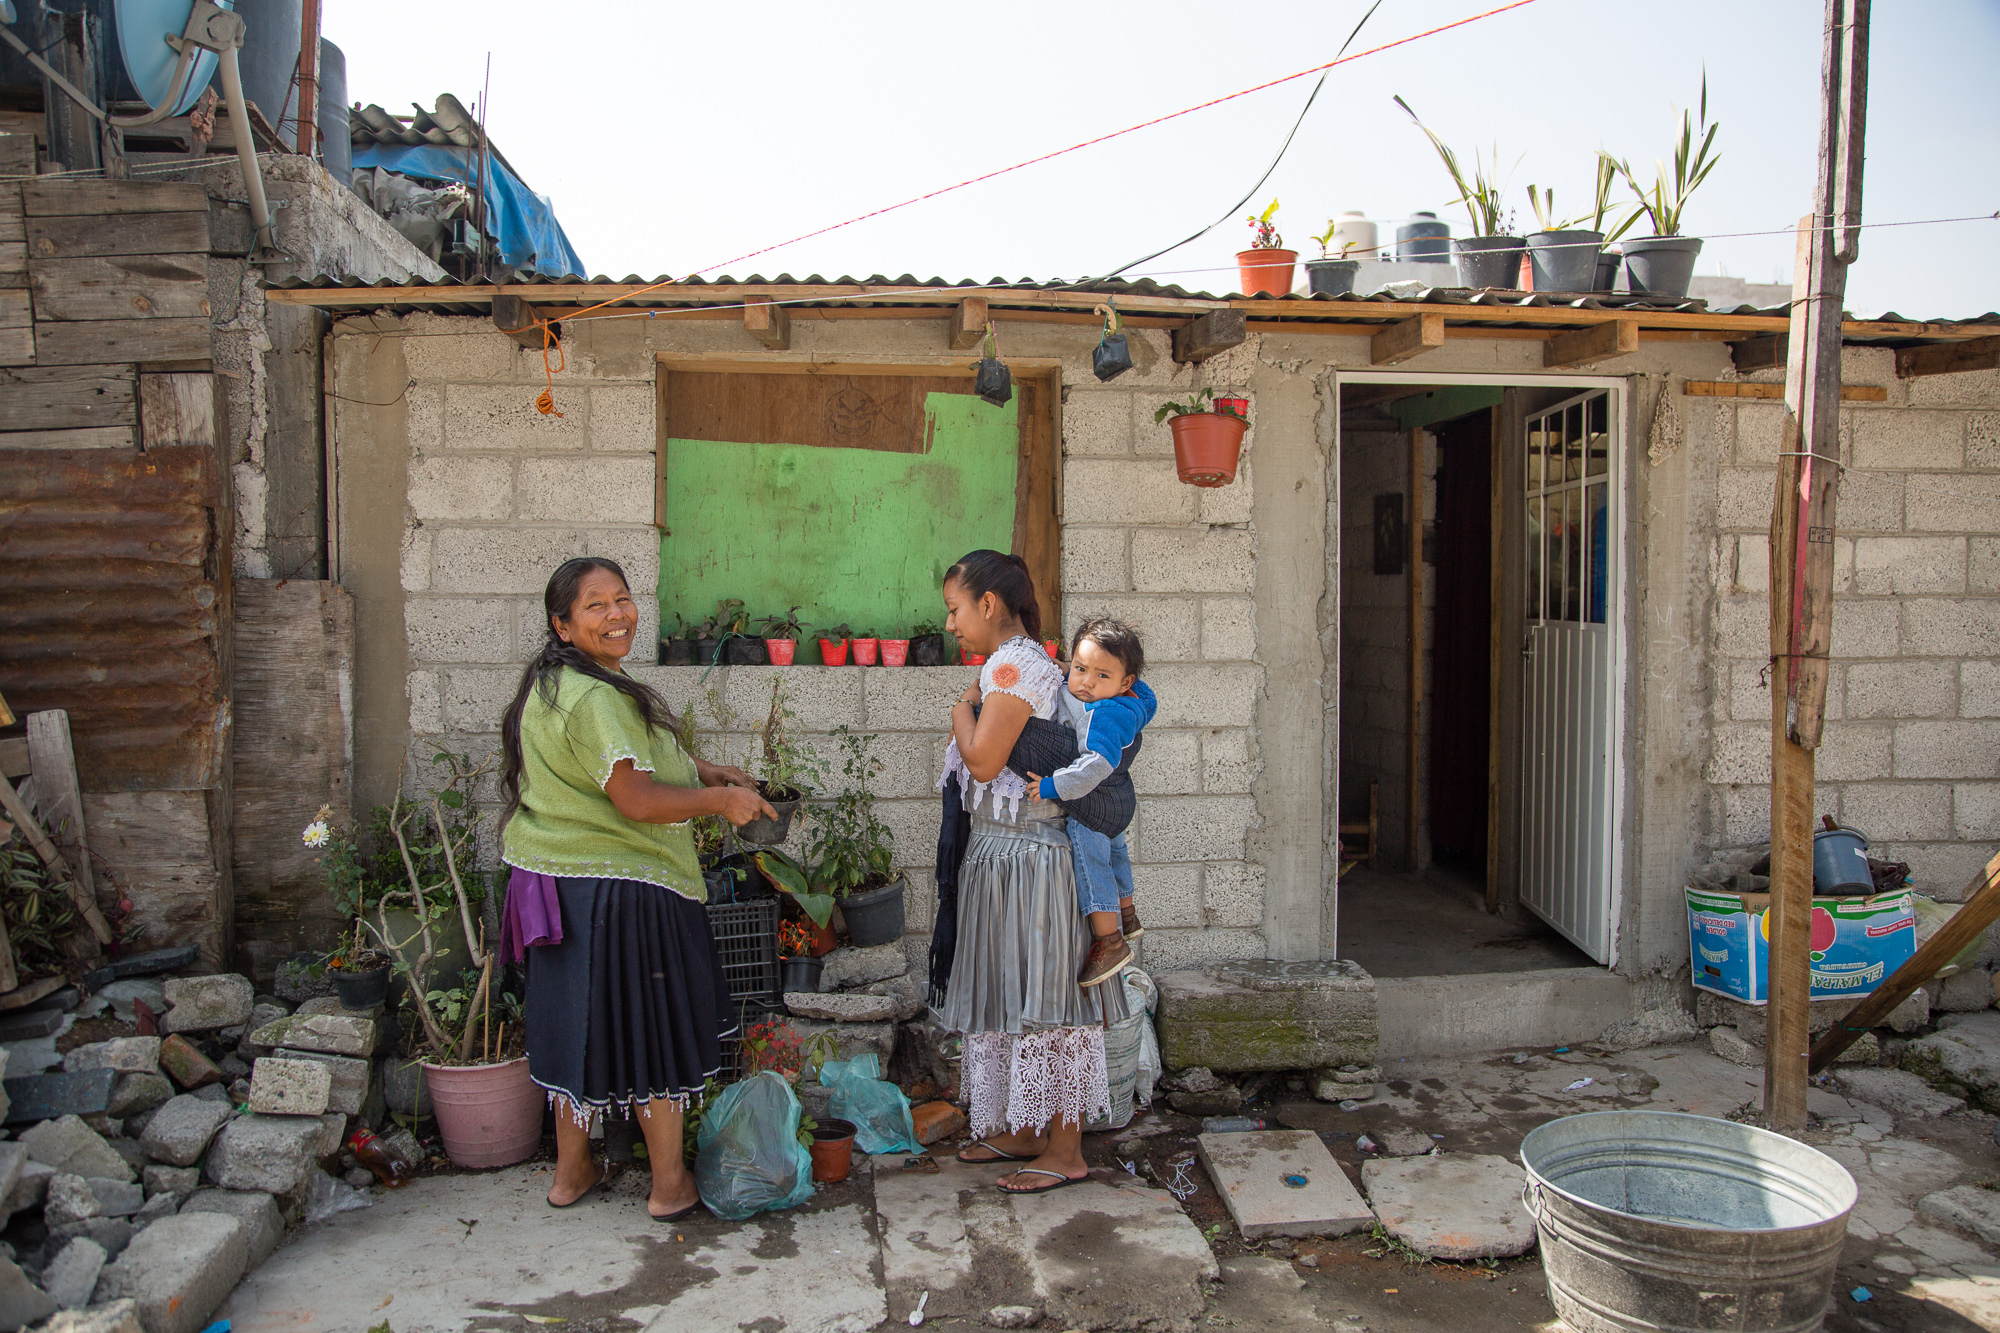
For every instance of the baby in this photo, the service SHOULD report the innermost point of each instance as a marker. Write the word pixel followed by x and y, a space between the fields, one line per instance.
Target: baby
pixel 1096 791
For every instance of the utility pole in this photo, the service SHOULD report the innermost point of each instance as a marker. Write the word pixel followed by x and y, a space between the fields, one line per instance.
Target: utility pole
pixel 1802 521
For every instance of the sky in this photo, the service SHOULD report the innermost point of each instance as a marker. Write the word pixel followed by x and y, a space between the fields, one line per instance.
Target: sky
pixel 674 138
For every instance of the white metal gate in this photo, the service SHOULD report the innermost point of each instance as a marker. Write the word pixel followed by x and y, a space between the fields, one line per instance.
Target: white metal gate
pixel 1571 695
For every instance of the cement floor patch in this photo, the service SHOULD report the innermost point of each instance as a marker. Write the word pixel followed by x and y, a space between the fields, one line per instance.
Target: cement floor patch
pixel 1281 1182
pixel 1452 1206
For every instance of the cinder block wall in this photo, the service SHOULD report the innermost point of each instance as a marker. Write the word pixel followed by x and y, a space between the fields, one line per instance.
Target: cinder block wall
pixel 1912 749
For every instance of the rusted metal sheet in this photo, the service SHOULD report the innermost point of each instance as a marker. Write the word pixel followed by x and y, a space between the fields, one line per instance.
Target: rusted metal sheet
pixel 116 587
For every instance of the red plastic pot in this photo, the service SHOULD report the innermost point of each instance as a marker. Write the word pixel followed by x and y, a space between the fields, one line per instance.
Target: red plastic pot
pixel 1206 446
pixel 972 659
pixel 1240 406
pixel 833 652
pixel 895 652
pixel 782 651
pixel 1266 271
pixel 864 651
pixel 1053 647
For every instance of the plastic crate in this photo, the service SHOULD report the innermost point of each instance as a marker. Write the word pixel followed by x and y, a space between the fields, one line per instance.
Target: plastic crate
pixel 748 1013
pixel 746 945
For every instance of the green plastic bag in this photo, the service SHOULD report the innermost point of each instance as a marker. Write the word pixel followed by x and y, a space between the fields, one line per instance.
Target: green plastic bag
pixel 878 1110
pixel 747 1156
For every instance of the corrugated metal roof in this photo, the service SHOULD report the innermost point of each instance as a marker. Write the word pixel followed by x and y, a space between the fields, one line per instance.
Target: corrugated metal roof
pixel 448 125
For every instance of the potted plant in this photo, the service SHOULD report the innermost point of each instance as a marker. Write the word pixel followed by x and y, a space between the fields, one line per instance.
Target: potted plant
pixel 1266 267
pixel 927 646
pixel 895 652
pixel 1566 257
pixel 866 646
pixel 799 966
pixel 1331 275
pixel 1490 257
pixel 789 770
pixel 787 875
pixel 1053 647
pixel 1662 264
pixel 678 647
pixel 739 646
pixel 781 637
pixel 833 651
pixel 360 973
pixel 773 1046
pixel 1208 437
pixel 852 853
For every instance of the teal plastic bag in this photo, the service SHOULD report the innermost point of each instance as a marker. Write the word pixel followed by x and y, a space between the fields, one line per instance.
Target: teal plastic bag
pixel 747 1156
pixel 879 1111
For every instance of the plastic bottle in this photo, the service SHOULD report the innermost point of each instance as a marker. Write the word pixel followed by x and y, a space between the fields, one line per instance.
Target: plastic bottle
pixel 390 1169
pixel 1231 1124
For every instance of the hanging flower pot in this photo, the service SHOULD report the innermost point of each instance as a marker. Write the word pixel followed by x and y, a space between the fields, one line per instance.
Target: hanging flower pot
pixel 895 652
pixel 991 379
pixel 1206 446
pixel 1113 356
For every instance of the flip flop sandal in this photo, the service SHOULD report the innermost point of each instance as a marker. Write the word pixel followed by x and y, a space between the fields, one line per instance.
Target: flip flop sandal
pixel 606 1176
pixel 998 1155
pixel 675 1216
pixel 1062 1181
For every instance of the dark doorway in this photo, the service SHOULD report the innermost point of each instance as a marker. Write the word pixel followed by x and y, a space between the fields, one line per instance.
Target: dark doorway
pixel 1461 661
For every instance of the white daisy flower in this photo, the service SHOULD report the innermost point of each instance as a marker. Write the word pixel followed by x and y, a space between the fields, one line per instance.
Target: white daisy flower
pixel 316 834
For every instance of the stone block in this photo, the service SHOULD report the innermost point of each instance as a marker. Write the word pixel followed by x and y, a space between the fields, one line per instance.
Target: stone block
pixel 1240 1017
pixel 13 1157
pixel 155 1208
pixel 351 1079
pixel 135 1094
pixel 936 1121
pixel 186 1065
pixel 846 968
pixel 1452 1206
pixel 21 1301
pixel 180 1132
pixel 1711 1010
pixel 1964 992
pixel 263 1224
pixel 178 1270
pixel 71 1276
pixel 42 1096
pixel 1967 1207
pixel 1118 492
pixel 203 1004
pixel 113 1233
pixel 70 1145
pixel 1281 1182
pixel 849 1008
pixel 403 1087
pixel 290 1087
pixel 445 488
pixel 177 1181
pixel 268 1153
pixel 30 1024
pixel 125 1054
pixel 852 1039
pixel 1728 1044
pixel 334 1034
pixel 30 1187
pixel 117 1198
pixel 1193 559
pixel 1094 560
pixel 70 1201
pixel 1962 1060
pixel 1960 749
pixel 111 1317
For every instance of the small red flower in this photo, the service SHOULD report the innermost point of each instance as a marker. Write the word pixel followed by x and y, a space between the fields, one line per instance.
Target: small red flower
pixel 1006 675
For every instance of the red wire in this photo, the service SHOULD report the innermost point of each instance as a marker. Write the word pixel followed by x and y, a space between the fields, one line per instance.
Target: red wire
pixel 1102 138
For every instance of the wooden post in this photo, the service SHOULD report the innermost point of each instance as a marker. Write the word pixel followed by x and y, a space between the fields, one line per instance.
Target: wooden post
pixel 57 791
pixel 1802 524
pixel 308 117
pixel 1414 749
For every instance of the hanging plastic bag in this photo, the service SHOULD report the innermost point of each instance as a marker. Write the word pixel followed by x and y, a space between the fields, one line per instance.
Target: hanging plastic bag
pixel 748 1158
pixel 1143 998
pixel 878 1110
pixel 991 379
pixel 1113 356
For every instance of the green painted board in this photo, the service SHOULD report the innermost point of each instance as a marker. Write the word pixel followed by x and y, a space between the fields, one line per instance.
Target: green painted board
pixel 856 535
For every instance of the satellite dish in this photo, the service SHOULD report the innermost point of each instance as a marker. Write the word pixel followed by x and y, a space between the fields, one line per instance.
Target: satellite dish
pixel 155 66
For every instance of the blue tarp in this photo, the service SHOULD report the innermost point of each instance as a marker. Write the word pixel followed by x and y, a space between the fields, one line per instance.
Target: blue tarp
pixel 523 222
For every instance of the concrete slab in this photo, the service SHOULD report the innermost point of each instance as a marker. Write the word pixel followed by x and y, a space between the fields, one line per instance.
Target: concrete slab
pixel 1902 1093
pixel 1455 1206
pixel 1967 1207
pixel 1465 1015
pixel 1281 1182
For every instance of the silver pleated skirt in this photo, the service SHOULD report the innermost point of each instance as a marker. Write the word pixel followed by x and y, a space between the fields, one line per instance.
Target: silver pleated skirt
pixel 1022 937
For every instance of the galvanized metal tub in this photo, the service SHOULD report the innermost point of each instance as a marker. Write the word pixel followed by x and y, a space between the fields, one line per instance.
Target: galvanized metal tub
pixel 1669 1223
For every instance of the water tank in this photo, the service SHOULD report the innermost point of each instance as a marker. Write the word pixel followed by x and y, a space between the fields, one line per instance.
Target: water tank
pixel 1355 230
pixel 336 144
pixel 1424 240
pixel 270 58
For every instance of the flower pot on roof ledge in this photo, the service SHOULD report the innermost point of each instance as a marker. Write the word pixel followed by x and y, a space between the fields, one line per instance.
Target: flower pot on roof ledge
pixel 1331 277
pixel 1266 271
pixel 1489 261
pixel 1661 266
pixel 1206 446
pixel 1564 261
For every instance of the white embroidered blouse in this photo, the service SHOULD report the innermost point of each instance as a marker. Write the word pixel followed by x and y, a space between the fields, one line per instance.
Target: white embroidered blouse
pixel 1020 667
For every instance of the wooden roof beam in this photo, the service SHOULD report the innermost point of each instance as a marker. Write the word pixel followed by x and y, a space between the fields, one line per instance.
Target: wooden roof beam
pixel 516 318
pixel 767 322
pixel 1210 334
pixel 1765 353
pixel 1412 337
pixel 1948 358
pixel 968 323
pixel 1599 342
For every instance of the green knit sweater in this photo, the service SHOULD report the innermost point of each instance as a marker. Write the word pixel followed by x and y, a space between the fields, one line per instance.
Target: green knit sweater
pixel 566 825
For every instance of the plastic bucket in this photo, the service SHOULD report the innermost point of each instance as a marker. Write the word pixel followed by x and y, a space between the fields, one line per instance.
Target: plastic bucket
pixel 1652 1220
pixel 488 1115
pixel 1840 863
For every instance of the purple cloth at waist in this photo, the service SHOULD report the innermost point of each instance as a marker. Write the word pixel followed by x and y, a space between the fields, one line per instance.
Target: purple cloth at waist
pixel 533 914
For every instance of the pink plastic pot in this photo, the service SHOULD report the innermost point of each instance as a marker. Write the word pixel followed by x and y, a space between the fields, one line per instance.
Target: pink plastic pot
pixel 782 651
pixel 895 652
pixel 833 652
pixel 488 1115
pixel 864 651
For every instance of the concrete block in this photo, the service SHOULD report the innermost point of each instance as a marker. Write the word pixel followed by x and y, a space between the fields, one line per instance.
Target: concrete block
pixel 1898 810
pixel 426 709
pixel 1282 1183
pixel 1097 424
pixel 1094 559
pixel 1726 1043
pixel 1869 502
pixel 1907 439
pixel 21 1301
pixel 31 1186
pixel 1867 629
pixel 572 490
pixel 1193 828
pixel 135 1094
pixel 124 1054
pixel 13 1157
pixel 1975 811
pixel 70 1200
pixel 1193 559
pixel 117 1198
pixel 1964 992
pixel 202 1004
pixel 447 488
pixel 1254 1015
pixel 1967 1207
pixel 1235 502
pixel 71 1276
pixel 290 1087
pixel 1228 629
pixel 1743 498
pixel 822 697
pixel 67 1144
pixel 460 629
pixel 1205 696
pixel 1184 949
pixel 268 1153
pixel 1167 895
pixel 637 551
pixel 350 1080
pixel 1452 1206
pixel 1898 1091
pixel 1169 627
pixel 1937 627
pixel 176 1182
pixel 1961 749
pixel 1232 894
pixel 1228 761
pixel 1169 764
pixel 1849 752
pixel 908 698
pixel 1982 433
pixel 1116 492
pixel 473 699
pixel 855 1007
pixel 503 419
pixel 1953 501
pixel 1743 627
pixel 1905 565
pixel 1497 1011
pixel 1983 564
pixel 846 968
pixel 1962 1060
pixel 623 420
pixel 263 1224
pixel 1711 1010
pixel 178 1270
pixel 1760 433
pixel 180 1131
pixel 1979 689
pixel 499 560
pixel 1900 689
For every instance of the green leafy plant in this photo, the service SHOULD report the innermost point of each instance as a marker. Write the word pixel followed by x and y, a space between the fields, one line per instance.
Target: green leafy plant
pixel 924 628
pixel 775 1045
pixel 1267 237
pixel 850 849
pixel 791 770
pixel 784 871
pixel 1325 239
pixel 1480 193
pixel 786 626
pixel 837 633
pixel 730 617
pixel 38 909
pixel 1667 200
pixel 1198 403
pixel 1607 176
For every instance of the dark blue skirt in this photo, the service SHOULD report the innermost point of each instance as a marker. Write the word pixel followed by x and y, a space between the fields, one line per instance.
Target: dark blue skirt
pixel 632 1005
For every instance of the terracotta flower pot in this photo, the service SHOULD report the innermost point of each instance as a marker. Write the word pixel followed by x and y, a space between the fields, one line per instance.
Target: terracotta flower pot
pixel 1206 446
pixel 1266 271
pixel 488 1115
pixel 832 1151
pixel 865 650
pixel 782 651
pixel 833 652
pixel 895 652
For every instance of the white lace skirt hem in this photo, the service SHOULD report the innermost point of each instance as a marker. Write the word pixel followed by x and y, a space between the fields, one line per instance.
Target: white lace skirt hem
pixel 1036 1079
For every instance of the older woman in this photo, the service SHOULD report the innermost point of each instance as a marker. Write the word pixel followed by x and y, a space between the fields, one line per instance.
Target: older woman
pixel 626 1003
pixel 1034 1038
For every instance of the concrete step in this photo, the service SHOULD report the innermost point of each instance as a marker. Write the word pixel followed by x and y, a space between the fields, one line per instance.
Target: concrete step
pixel 1497 1011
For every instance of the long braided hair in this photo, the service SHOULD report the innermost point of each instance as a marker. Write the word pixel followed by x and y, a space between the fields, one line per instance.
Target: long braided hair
pixel 544 673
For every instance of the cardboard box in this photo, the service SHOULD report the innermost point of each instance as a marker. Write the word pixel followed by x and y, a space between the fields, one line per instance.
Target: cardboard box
pixel 1857 942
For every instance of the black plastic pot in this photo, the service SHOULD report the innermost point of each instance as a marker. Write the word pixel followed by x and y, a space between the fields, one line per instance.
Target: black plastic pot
pixel 705 651
pixel 1112 358
pixel 992 381
pixel 362 990
pixel 1564 261
pixel 1331 277
pixel 927 650
pixel 739 651
pixel 1490 261
pixel 799 976
pixel 1661 266
pixel 1610 263
pixel 676 652
pixel 770 832
pixel 874 916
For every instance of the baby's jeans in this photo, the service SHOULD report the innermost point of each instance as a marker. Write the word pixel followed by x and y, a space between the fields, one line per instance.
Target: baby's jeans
pixel 1103 868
